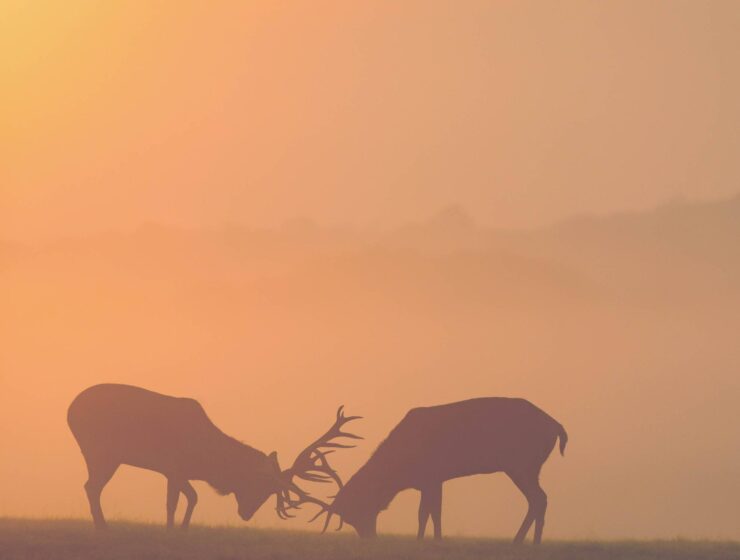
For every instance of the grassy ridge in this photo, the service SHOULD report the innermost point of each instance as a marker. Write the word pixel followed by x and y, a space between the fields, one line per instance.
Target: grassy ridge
pixel 22 539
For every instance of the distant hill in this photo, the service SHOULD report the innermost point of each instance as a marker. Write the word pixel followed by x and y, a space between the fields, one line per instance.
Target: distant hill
pixel 675 249
pixel 679 250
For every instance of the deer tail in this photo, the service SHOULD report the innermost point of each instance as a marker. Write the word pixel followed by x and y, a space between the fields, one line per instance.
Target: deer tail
pixel 563 436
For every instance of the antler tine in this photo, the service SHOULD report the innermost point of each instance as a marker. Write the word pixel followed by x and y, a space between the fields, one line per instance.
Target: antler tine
pixel 312 465
pixel 335 430
pixel 315 517
pixel 350 435
pixel 282 514
pixel 340 414
pixel 280 506
pixel 305 497
pixel 326 521
pixel 326 468
pixel 314 477
pixel 306 460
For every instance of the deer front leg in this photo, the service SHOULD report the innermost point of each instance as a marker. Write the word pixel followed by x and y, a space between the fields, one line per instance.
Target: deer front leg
pixel 192 498
pixel 435 508
pixel 173 495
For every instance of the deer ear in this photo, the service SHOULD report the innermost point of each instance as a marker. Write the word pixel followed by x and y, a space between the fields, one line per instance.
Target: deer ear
pixel 273 457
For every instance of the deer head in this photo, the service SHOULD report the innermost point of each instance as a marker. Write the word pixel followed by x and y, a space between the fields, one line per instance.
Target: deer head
pixel 264 480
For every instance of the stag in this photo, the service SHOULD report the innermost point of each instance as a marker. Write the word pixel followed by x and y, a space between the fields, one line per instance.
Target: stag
pixel 434 444
pixel 124 425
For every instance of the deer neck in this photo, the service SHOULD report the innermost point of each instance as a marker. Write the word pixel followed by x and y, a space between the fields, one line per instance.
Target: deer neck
pixel 367 493
pixel 229 462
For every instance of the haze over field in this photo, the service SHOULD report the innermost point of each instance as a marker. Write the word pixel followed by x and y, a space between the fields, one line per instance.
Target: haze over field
pixel 624 328
pixel 383 205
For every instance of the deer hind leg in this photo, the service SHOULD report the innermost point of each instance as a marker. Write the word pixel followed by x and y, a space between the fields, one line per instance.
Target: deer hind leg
pixel 173 495
pixel 192 498
pixel 529 485
pixel 539 522
pixel 99 474
pixel 424 514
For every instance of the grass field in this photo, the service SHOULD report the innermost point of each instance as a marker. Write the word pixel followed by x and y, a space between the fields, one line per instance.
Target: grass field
pixel 75 540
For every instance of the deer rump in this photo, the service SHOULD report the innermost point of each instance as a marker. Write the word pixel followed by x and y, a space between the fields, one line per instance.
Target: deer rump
pixel 141 428
pixel 476 436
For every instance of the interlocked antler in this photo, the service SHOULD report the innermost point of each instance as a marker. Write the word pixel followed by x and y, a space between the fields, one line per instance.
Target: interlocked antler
pixel 312 465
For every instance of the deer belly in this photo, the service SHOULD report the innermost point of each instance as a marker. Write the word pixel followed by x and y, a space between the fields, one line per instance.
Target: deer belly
pixel 154 449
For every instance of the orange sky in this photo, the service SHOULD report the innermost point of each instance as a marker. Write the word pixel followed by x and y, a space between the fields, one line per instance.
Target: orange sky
pixel 365 112
pixel 378 114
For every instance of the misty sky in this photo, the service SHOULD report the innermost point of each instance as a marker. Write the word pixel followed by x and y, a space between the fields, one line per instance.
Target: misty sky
pixel 374 114
pixel 371 113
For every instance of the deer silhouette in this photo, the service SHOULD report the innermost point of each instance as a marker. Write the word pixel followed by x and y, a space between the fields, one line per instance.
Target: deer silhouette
pixel 434 444
pixel 124 425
